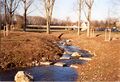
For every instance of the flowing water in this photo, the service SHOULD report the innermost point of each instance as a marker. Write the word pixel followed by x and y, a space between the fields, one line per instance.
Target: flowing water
pixel 52 73
pixel 43 73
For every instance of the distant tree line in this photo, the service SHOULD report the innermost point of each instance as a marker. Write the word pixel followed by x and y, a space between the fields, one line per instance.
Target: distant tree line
pixel 104 23
pixel 38 20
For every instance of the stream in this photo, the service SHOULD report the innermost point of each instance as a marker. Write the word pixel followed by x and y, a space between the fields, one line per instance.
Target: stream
pixel 43 73
pixel 52 72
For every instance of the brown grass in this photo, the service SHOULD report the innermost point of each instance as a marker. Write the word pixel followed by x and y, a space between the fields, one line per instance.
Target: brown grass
pixel 22 48
pixel 105 65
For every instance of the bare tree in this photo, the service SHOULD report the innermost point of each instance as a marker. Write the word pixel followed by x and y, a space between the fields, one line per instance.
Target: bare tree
pixel 10 8
pixel 27 4
pixel 5 11
pixel 89 4
pixel 108 30
pixel 1 10
pixel 67 22
pixel 1 7
pixel 115 8
pixel 116 11
pixel 48 5
pixel 80 5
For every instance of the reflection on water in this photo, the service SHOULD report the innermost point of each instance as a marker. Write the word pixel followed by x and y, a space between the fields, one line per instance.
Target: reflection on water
pixel 44 73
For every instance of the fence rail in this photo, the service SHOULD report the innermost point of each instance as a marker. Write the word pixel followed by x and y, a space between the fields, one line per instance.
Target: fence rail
pixel 54 27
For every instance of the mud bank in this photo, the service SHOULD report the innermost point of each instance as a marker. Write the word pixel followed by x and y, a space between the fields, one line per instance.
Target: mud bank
pixel 21 49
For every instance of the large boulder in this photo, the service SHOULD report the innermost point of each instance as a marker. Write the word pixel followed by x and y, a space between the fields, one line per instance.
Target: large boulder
pixel 21 76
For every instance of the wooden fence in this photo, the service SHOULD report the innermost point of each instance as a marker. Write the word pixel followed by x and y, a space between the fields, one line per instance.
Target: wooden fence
pixel 52 28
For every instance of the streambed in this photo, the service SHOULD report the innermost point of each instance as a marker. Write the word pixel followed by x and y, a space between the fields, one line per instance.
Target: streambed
pixel 51 72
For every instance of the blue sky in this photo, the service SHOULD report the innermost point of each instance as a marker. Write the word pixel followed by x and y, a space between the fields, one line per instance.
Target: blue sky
pixel 68 8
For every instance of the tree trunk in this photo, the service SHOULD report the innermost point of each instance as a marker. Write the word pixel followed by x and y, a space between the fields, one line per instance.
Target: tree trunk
pixel 79 18
pixel 10 15
pixel 79 15
pixel 107 34
pixel 10 21
pixel 48 26
pixel 5 7
pixel 88 29
pixel 93 34
pixel 49 9
pixel 88 32
pixel 89 22
pixel 79 27
pixel 109 38
pixel 25 21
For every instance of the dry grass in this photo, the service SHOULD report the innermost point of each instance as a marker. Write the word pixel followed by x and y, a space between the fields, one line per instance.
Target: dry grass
pixel 22 48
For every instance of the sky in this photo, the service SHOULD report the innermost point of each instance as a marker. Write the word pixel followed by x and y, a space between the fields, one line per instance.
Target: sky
pixel 68 8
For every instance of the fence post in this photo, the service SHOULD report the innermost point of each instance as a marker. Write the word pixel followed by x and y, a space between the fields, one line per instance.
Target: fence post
pixel 105 34
pixel 7 27
pixel 4 30
pixel 93 32
pixel 109 35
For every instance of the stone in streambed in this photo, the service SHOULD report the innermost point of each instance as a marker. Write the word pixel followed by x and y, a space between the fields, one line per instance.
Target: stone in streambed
pixel 46 63
pixel 66 56
pixel 35 63
pixel 87 59
pixel 60 64
pixel 74 66
pixel 75 54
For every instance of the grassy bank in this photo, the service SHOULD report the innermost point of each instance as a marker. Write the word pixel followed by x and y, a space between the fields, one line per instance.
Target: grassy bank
pixel 105 65
pixel 20 49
